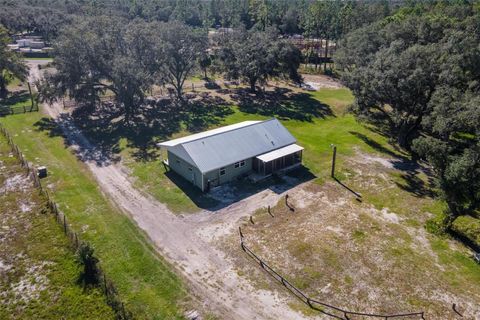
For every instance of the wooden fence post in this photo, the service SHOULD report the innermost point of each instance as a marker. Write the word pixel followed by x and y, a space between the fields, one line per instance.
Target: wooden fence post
pixel 334 158
pixel 65 223
pixel 270 212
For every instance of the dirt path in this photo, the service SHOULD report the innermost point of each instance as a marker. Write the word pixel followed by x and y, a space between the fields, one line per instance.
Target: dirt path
pixel 210 275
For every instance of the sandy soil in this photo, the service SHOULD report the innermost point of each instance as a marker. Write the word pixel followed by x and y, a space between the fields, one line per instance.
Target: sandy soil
pixel 187 243
pixel 321 81
pixel 356 256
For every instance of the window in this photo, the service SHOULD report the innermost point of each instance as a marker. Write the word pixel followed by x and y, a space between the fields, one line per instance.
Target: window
pixel 239 164
pixel 190 169
pixel 222 171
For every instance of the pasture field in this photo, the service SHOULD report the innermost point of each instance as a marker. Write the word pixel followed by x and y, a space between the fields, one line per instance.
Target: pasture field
pixel 144 280
pixel 39 275
pixel 316 135
pixel 385 231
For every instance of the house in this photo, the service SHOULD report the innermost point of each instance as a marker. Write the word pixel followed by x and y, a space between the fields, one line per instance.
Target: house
pixel 213 157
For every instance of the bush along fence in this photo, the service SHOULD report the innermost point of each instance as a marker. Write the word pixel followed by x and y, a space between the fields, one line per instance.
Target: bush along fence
pixel 325 308
pixel 107 286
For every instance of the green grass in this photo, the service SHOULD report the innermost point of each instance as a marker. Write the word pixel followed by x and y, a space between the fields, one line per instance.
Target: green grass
pixel 468 226
pixel 40 254
pixel 14 84
pixel 38 58
pixel 316 137
pixel 461 269
pixel 144 279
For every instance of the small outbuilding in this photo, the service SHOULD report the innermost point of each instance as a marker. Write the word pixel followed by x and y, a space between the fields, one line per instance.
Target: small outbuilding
pixel 249 148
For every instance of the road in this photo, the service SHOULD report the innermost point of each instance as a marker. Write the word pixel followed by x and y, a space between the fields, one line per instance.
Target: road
pixel 185 242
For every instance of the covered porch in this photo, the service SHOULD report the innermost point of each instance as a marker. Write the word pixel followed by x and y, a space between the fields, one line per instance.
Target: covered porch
pixel 281 159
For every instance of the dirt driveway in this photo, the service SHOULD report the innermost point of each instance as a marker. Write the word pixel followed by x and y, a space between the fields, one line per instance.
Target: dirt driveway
pixel 188 244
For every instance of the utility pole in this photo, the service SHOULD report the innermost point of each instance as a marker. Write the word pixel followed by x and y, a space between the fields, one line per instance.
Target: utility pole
pixel 333 159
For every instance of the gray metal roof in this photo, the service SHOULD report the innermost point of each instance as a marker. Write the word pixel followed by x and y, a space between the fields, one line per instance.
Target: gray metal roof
pixel 214 151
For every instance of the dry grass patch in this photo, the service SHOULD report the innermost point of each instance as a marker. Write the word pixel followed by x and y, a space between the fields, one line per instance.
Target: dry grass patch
pixel 362 256
pixel 38 272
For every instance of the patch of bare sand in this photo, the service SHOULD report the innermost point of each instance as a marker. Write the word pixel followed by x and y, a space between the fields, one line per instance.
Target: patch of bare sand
pixel 321 81
pixel 351 255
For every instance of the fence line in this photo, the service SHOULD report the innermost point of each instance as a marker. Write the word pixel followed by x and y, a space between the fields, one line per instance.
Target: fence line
pixel 9 110
pixel 316 304
pixel 107 286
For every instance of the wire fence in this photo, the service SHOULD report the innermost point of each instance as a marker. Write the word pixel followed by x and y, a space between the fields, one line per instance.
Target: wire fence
pixel 325 308
pixel 107 286
pixel 9 110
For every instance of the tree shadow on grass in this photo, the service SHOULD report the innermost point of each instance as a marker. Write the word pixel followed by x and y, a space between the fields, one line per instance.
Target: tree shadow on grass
pixel 84 149
pixel 282 103
pixel 204 111
pixel 16 97
pixel 375 145
pixel 413 184
pixel 410 169
pixel 49 125
pixel 97 132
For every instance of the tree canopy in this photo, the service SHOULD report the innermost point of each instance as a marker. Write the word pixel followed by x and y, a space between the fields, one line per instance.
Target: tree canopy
pixel 417 76
pixel 255 56
pixel 106 55
pixel 11 64
pixel 49 17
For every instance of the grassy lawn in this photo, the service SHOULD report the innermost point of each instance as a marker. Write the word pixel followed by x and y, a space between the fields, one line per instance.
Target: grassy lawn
pixel 39 58
pixel 38 273
pixel 144 280
pixel 316 136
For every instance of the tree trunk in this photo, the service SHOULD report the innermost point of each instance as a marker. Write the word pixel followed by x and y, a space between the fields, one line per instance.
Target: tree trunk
pixel 180 93
pixel 3 90
pixel 205 72
pixel 450 216
pixel 252 85
pixel 402 138
pixel 326 57
pixel 405 133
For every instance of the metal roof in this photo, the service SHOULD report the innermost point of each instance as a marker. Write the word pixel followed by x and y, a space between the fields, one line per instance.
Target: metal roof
pixel 220 147
pixel 205 134
pixel 275 154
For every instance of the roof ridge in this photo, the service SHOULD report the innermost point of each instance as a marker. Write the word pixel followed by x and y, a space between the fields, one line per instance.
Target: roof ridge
pixel 234 129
